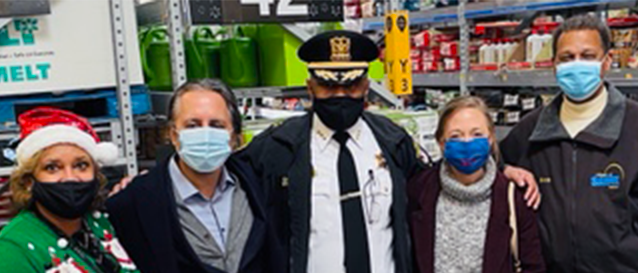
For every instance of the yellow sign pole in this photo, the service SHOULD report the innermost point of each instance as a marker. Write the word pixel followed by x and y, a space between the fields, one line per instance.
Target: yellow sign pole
pixel 398 65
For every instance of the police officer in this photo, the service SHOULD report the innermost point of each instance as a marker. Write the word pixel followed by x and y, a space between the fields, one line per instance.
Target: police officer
pixel 582 148
pixel 333 176
pixel 335 179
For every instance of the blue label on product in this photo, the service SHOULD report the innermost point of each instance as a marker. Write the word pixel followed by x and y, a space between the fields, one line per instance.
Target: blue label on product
pixel 605 180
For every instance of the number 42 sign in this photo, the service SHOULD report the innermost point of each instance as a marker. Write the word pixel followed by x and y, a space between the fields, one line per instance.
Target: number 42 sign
pixel 284 7
pixel 263 11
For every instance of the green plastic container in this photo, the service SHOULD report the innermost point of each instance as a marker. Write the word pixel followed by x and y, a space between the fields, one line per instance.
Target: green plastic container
pixel 376 70
pixel 202 54
pixel 156 59
pixel 279 64
pixel 239 61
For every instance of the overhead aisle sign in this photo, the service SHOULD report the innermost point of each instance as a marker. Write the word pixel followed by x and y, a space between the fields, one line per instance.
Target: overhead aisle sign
pixel 264 11
pixel 398 65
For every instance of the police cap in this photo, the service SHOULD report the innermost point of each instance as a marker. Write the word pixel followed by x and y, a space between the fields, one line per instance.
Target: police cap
pixel 338 57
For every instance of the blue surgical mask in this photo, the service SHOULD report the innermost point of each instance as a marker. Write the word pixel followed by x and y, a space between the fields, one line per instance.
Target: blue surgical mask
pixel 204 149
pixel 579 80
pixel 467 156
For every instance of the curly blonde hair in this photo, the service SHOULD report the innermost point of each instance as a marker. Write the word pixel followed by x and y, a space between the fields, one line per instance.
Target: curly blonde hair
pixel 21 180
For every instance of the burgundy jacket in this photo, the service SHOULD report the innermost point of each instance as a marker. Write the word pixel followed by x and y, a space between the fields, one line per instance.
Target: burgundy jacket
pixel 423 193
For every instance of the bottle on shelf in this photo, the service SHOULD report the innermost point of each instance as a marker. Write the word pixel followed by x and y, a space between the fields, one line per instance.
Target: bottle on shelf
pixel 490 52
pixel 547 39
pixel 511 48
pixel 501 51
pixel 533 46
pixel 482 50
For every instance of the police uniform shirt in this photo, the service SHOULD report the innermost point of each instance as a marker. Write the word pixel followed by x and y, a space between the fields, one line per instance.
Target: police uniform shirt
pixel 326 242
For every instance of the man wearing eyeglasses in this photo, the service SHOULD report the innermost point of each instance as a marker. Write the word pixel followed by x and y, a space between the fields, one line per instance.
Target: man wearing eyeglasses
pixel 335 178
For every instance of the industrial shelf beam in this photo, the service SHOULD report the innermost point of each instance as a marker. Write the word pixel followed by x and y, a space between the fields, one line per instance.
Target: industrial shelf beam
pixel 123 86
pixel 160 99
pixel 464 35
pixel 176 40
pixel 491 9
pixel 529 78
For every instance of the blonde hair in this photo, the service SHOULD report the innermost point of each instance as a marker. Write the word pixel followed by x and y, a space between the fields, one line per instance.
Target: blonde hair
pixel 21 180
pixel 464 102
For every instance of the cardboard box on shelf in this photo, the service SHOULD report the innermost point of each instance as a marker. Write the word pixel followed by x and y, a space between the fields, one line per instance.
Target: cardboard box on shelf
pixel 620 57
pixel 431 66
pixel 450 49
pixel 422 39
pixel 420 125
pixel 451 64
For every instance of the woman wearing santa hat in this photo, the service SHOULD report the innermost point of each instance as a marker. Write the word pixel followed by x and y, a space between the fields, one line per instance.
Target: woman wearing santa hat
pixel 58 188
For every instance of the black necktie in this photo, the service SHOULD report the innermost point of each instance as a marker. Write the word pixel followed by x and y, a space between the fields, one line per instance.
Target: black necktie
pixel 357 259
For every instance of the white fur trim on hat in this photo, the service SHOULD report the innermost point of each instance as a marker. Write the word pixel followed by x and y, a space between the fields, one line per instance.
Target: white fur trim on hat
pixel 104 153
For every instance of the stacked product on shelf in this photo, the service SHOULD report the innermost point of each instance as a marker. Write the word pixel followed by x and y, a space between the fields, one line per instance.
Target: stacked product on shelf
pixel 354 9
pixel 509 106
pixel 497 46
pixel 234 59
pixel 437 98
pixel 239 60
pixel 203 53
pixel 421 125
pixel 434 51
pixel 624 33
pixel 156 58
pixel 242 56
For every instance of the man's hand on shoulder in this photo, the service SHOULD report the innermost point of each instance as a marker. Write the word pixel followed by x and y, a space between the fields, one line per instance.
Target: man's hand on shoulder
pixel 524 178
pixel 120 186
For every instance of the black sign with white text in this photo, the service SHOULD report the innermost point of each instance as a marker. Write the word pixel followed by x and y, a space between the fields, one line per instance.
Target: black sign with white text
pixel 14 8
pixel 264 11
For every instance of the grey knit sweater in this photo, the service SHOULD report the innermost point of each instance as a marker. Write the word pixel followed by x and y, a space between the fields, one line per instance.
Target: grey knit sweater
pixel 462 213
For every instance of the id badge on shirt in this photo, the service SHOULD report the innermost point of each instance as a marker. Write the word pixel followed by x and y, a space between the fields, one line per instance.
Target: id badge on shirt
pixel 608 180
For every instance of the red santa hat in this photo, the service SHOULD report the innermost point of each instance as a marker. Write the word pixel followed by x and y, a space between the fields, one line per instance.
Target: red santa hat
pixel 43 127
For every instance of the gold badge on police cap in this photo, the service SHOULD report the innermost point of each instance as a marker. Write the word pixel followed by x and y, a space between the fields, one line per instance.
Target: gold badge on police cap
pixel 340 49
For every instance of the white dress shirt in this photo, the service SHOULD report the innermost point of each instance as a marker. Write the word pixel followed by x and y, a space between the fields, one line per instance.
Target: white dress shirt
pixel 326 243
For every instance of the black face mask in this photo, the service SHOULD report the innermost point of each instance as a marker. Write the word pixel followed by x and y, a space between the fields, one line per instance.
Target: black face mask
pixel 338 113
pixel 69 200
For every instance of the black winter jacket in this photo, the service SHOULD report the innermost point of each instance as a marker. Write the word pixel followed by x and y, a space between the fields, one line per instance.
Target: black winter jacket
pixel 589 213
pixel 281 158
pixel 145 218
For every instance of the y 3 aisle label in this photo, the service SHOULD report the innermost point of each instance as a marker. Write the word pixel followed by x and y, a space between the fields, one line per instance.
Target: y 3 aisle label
pixel 398 64
pixel 262 11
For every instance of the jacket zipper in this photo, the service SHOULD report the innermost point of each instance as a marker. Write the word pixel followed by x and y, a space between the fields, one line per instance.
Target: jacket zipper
pixel 573 202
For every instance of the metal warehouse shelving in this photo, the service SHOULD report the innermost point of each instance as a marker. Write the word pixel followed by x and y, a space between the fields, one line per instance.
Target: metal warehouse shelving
pixel 464 15
pixel 121 129
pixel 515 78
pixel 175 15
pixel 481 10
